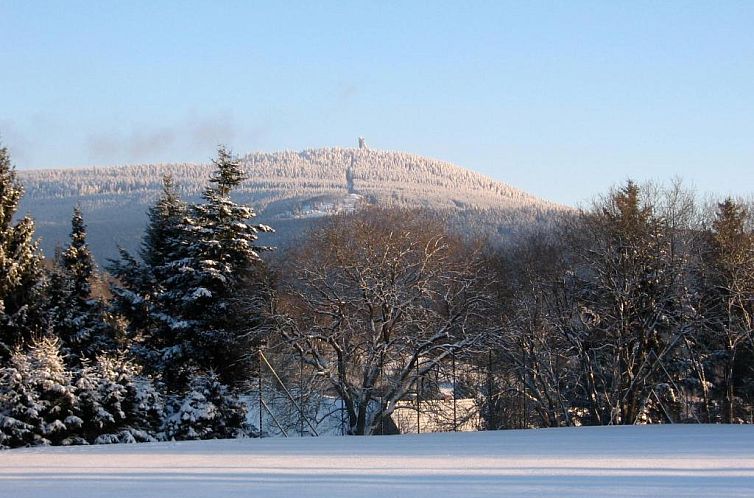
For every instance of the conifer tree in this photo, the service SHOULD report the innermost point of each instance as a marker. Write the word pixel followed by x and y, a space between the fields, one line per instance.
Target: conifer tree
pixel 21 280
pixel 728 305
pixel 78 317
pixel 207 411
pixel 136 296
pixel 205 303
pixel 37 400
pixel 162 230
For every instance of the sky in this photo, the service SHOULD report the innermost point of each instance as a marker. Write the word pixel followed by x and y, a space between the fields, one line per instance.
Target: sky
pixel 561 99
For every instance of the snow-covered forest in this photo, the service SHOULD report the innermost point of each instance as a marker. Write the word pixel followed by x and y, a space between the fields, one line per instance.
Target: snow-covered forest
pixel 637 310
pixel 288 189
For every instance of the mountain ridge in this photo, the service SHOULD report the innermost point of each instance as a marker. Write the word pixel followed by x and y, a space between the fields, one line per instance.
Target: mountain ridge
pixel 285 187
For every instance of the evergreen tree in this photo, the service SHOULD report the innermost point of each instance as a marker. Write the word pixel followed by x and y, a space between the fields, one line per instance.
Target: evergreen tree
pixel 116 403
pixel 21 279
pixel 162 231
pixel 207 411
pixel 136 296
pixel 78 318
pixel 204 304
pixel 38 404
pixel 728 304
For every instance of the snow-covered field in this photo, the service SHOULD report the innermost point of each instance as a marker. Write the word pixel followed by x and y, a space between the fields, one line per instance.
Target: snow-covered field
pixel 594 461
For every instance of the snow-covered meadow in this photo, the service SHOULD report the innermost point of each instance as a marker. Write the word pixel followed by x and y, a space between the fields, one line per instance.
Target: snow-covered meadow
pixel 670 460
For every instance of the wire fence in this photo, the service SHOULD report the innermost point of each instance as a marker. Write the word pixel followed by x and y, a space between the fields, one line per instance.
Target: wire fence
pixel 288 399
pixel 469 393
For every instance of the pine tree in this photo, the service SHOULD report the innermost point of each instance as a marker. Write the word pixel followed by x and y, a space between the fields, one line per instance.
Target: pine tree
pixel 208 410
pixel 78 317
pixel 206 282
pixel 162 230
pixel 728 304
pixel 136 296
pixel 116 403
pixel 38 404
pixel 21 279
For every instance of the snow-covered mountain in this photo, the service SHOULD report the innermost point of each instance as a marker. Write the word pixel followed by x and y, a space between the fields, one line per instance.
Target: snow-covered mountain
pixel 288 190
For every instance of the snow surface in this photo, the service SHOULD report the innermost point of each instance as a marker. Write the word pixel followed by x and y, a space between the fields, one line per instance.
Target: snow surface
pixel 670 460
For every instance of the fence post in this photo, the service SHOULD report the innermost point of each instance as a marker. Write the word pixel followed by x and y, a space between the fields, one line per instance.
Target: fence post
pixel 490 424
pixel 259 385
pixel 418 394
pixel 301 393
pixel 382 416
pixel 455 419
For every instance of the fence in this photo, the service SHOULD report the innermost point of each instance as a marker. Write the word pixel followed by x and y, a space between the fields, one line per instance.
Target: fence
pixel 286 399
pixel 477 392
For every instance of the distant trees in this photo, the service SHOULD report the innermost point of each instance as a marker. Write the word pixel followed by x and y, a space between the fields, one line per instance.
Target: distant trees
pixel 290 186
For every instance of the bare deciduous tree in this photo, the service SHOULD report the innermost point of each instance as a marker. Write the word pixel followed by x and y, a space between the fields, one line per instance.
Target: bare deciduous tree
pixel 376 300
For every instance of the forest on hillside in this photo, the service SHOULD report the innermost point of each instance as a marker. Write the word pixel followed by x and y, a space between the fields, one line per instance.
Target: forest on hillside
pixel 636 310
pixel 290 189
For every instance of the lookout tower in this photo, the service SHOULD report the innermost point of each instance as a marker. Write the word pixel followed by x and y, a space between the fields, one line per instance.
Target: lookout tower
pixel 362 143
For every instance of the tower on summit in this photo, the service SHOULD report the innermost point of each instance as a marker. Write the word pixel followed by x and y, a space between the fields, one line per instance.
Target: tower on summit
pixel 362 143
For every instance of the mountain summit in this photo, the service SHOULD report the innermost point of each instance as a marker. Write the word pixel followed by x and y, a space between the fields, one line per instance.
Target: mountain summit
pixel 288 190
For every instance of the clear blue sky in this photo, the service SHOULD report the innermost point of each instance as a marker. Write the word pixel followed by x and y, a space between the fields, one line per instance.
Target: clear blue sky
pixel 562 99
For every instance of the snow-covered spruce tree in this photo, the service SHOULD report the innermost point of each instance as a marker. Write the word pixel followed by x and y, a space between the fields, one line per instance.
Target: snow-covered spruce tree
pixel 116 403
pixel 140 283
pixel 77 317
pixel 208 282
pixel 21 282
pixel 207 411
pixel 38 404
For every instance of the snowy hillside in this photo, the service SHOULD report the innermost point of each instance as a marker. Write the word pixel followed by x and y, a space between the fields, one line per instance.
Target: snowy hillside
pixel 668 460
pixel 288 189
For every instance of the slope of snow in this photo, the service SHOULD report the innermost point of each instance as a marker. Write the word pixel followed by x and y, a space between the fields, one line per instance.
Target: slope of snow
pixel 594 461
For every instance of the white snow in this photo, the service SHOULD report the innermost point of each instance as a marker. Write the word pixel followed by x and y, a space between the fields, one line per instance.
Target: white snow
pixel 669 460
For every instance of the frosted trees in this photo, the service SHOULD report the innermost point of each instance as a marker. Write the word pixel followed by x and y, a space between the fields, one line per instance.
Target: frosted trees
pixel 207 411
pixel 376 300
pixel 597 337
pixel 628 306
pixel 77 317
pixel 187 302
pixel 214 257
pixel 42 401
pixel 20 267
pixel 37 399
pixel 116 403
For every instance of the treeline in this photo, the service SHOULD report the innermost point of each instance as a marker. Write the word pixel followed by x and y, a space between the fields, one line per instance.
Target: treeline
pixel 391 176
pixel 638 310
pixel 151 360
